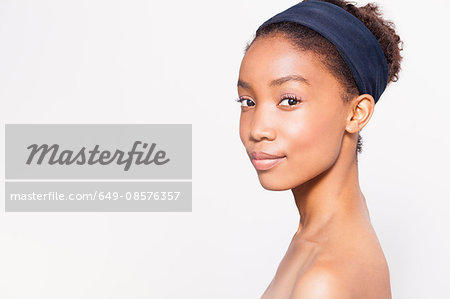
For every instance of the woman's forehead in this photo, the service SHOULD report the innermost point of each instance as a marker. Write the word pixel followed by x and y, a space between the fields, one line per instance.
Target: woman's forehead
pixel 271 58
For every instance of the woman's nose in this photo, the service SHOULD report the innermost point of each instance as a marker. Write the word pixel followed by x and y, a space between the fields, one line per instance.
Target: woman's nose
pixel 263 124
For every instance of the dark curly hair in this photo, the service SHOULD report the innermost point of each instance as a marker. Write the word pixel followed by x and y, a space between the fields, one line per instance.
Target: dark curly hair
pixel 307 39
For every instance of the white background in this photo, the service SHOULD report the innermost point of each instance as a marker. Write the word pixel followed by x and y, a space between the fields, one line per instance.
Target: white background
pixel 177 62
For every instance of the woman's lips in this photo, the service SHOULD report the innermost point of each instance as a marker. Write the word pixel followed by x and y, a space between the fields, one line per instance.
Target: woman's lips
pixel 265 161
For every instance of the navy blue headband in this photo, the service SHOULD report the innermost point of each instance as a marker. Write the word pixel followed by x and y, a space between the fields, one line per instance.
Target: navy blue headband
pixel 356 44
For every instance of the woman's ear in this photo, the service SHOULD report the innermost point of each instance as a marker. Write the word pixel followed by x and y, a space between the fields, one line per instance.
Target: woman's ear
pixel 360 111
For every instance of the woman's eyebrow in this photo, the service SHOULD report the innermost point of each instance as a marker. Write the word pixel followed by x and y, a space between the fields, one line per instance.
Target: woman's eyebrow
pixel 243 84
pixel 281 80
pixel 278 81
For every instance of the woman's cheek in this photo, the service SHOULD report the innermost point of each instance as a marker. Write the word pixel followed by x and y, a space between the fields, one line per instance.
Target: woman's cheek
pixel 308 145
pixel 324 140
pixel 243 129
pixel 300 132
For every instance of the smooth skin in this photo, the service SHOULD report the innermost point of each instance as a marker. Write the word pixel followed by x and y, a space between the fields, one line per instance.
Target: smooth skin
pixel 335 253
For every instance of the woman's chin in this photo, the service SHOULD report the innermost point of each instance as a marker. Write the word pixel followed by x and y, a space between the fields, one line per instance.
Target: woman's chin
pixel 274 184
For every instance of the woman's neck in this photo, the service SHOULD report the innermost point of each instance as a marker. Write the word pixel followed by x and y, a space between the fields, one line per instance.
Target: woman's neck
pixel 334 195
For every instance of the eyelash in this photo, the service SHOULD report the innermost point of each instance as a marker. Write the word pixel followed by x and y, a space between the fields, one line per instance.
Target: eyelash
pixel 285 97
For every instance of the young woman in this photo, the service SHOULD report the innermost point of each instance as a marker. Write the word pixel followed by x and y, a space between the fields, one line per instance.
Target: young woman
pixel 308 84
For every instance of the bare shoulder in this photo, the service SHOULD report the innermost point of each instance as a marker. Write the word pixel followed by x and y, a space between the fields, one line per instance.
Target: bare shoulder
pixel 345 270
pixel 321 282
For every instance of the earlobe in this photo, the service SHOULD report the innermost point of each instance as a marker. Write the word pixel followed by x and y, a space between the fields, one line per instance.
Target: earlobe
pixel 360 112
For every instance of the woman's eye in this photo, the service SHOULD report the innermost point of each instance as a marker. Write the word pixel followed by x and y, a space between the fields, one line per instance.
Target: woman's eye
pixel 289 101
pixel 245 102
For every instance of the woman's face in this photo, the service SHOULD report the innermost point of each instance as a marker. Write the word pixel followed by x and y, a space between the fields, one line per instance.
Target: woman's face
pixel 291 109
